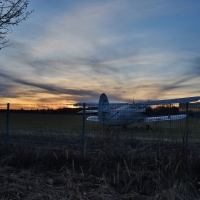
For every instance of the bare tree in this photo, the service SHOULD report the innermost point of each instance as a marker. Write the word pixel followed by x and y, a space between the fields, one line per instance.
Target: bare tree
pixel 12 13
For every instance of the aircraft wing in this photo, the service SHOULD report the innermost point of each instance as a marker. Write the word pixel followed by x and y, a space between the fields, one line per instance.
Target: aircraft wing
pixel 162 118
pixel 89 104
pixel 93 118
pixel 168 101
pixel 145 103
pixel 96 105
pixel 148 119
pixel 88 111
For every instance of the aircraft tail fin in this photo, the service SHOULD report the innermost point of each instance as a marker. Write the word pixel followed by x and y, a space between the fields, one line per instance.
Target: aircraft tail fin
pixel 103 109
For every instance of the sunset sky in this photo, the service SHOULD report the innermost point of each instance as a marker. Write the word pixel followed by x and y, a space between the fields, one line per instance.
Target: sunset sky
pixel 70 51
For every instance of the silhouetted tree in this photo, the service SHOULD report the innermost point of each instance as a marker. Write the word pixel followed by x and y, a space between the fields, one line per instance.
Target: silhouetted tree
pixel 12 13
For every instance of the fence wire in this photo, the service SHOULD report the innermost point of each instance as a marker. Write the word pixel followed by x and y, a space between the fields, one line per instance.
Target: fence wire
pixel 75 128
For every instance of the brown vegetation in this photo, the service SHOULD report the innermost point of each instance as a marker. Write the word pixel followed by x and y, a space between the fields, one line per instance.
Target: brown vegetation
pixel 134 171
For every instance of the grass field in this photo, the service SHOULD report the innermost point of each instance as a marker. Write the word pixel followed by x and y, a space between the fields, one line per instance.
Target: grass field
pixel 65 132
pixel 71 125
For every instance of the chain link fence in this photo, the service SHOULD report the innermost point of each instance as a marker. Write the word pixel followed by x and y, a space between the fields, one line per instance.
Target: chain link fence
pixel 66 128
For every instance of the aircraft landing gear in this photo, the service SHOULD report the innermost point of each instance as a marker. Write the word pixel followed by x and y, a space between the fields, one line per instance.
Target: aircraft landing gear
pixel 148 127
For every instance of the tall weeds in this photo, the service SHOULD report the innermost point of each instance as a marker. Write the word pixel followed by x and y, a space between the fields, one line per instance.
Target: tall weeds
pixel 137 172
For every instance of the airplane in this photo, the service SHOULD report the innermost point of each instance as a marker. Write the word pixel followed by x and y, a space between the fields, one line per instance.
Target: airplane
pixel 123 114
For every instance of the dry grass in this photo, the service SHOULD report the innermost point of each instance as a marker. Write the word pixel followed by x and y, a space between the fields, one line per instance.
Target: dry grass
pixel 131 171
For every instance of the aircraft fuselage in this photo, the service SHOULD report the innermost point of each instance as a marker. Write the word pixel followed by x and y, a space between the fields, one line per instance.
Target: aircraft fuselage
pixel 122 116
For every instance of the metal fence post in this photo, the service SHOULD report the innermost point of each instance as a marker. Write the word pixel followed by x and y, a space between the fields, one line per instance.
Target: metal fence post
pixel 187 129
pixel 83 132
pixel 7 125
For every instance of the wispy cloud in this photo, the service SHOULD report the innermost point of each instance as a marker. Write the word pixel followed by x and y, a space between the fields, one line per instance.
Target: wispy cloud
pixel 47 87
pixel 122 48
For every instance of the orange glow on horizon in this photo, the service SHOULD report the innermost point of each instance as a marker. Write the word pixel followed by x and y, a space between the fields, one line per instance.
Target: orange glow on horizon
pixel 17 104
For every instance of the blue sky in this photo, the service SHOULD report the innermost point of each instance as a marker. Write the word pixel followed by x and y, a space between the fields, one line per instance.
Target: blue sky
pixel 70 51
